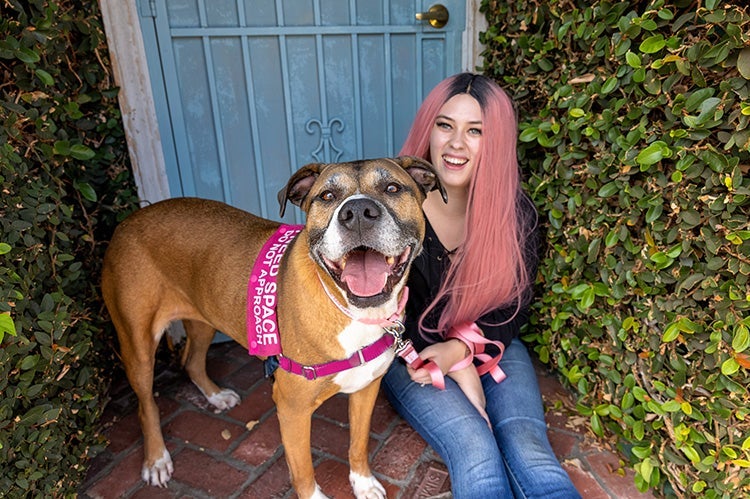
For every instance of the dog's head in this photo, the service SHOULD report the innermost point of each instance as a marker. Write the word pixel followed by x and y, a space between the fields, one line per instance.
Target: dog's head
pixel 364 221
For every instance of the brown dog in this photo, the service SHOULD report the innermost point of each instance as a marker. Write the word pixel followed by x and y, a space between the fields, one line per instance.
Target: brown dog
pixel 341 279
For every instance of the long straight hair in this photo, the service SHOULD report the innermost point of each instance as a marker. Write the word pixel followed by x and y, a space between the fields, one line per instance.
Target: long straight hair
pixel 488 269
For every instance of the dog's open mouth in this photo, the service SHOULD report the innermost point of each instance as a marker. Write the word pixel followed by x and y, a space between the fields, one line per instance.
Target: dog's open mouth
pixel 364 272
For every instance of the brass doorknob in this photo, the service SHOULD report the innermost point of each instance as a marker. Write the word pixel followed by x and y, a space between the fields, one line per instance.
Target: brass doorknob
pixel 437 16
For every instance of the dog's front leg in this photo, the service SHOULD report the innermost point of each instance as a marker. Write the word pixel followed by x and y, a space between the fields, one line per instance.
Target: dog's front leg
pixel 361 405
pixel 295 405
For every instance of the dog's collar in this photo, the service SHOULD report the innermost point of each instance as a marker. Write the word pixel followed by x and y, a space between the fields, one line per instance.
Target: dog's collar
pixel 394 330
pixel 361 356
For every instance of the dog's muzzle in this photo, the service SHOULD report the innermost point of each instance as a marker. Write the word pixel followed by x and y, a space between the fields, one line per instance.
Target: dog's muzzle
pixel 373 253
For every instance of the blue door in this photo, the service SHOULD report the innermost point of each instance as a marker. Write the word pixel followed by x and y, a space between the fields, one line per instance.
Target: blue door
pixel 248 91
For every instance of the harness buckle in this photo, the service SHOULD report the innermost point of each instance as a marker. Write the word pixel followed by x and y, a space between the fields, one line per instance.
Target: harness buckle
pixel 309 373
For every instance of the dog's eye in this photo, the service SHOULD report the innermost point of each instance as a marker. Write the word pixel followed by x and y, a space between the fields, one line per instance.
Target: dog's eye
pixel 393 188
pixel 327 196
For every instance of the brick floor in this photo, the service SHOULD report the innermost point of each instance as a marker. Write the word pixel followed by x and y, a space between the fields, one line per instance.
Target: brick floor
pixel 238 454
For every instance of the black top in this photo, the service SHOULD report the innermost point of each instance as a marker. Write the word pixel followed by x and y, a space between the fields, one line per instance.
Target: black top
pixel 427 274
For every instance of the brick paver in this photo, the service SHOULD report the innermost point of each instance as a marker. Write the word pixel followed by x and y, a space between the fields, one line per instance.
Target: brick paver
pixel 238 453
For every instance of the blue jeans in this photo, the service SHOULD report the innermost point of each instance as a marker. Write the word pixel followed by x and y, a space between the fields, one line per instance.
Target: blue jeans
pixel 514 460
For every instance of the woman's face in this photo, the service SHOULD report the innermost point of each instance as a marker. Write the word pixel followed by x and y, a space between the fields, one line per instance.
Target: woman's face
pixel 455 140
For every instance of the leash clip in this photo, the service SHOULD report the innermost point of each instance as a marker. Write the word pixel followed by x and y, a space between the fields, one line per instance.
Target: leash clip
pixel 397 329
pixel 404 348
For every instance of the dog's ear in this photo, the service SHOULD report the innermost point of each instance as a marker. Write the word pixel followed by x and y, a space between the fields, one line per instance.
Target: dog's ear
pixel 423 174
pixel 299 186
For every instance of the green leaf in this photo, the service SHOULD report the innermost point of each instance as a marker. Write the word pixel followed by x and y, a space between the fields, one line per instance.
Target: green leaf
pixel 596 425
pixel 653 213
pixel 633 60
pixel 587 299
pixel 29 362
pixel 44 77
pixel 639 431
pixel 652 44
pixel 651 154
pixel 61 147
pixel 80 151
pixel 577 112
pixel 729 366
pixel 743 63
pixel 691 453
pixel 608 189
pixel 671 406
pixel 671 333
pixel 86 190
pixel 27 55
pixel 5 248
pixel 529 135
pixel 696 98
pixel 646 469
pixel 7 326
pixel 741 339
pixel 609 85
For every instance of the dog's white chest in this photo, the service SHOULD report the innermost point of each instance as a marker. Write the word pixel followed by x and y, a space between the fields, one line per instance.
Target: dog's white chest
pixel 352 338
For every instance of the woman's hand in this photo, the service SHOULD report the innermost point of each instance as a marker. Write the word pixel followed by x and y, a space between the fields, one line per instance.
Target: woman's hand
pixel 445 355
pixel 468 379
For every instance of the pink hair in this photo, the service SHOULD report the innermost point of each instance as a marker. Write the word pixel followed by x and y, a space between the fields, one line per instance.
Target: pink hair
pixel 488 270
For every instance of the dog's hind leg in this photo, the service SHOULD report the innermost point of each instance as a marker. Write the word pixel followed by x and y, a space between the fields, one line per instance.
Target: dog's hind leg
pixel 138 347
pixel 199 336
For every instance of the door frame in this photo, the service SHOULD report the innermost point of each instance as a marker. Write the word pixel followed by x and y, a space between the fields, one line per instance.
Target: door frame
pixel 131 74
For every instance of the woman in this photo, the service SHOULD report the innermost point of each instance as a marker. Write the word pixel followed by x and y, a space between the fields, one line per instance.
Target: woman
pixel 469 291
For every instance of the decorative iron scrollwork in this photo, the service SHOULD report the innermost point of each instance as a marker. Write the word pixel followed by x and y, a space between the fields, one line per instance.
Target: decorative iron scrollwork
pixel 331 153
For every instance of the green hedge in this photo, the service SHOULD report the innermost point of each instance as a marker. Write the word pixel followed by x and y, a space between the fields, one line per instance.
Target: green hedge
pixel 635 137
pixel 65 183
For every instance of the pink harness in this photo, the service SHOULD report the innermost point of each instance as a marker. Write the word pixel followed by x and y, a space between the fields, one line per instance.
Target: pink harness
pixel 262 326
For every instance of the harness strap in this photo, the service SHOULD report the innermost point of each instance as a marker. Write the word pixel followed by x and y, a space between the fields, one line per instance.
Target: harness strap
pixel 366 354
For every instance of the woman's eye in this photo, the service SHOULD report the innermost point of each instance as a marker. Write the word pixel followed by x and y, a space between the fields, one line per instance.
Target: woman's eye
pixel 443 125
pixel 393 188
pixel 475 131
pixel 327 196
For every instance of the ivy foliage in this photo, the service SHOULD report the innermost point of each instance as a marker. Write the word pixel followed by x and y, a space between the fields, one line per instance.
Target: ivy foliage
pixel 635 138
pixel 65 183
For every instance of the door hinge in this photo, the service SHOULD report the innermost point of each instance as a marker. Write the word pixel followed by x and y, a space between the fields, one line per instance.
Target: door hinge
pixel 147 8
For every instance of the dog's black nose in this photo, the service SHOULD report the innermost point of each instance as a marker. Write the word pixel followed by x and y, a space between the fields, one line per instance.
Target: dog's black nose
pixel 359 214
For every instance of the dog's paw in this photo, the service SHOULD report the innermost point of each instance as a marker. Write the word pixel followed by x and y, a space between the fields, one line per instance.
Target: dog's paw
pixel 366 487
pixel 225 399
pixel 318 494
pixel 159 474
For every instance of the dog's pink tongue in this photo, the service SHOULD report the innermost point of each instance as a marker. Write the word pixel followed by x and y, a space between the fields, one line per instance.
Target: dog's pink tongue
pixel 366 273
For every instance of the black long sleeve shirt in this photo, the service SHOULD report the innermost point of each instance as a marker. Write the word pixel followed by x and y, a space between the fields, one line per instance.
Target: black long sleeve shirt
pixel 427 274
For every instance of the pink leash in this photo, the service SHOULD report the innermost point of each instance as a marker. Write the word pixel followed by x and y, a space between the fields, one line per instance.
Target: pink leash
pixel 471 336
